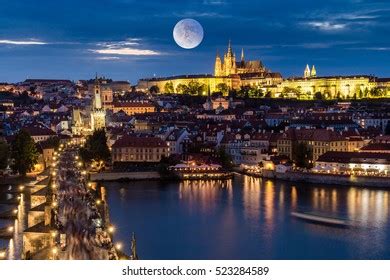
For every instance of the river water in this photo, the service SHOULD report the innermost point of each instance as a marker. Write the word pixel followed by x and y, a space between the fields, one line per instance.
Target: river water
pixel 248 218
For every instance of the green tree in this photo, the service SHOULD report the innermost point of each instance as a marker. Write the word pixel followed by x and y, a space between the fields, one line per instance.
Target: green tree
pixel 318 96
pixel 223 88
pixel 376 92
pixel 154 89
pixel 196 88
pixel 181 88
pixel 168 87
pixel 4 154
pixel 95 148
pixel 24 153
pixel 387 129
pixel 225 159
pixel 303 155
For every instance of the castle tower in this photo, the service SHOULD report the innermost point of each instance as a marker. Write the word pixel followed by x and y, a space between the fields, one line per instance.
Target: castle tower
pixel 218 66
pixel 229 61
pixel 306 74
pixel 97 101
pixel 98 114
pixel 313 72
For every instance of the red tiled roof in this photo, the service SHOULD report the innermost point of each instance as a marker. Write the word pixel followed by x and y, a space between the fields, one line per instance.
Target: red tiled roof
pixel 133 141
pixel 355 157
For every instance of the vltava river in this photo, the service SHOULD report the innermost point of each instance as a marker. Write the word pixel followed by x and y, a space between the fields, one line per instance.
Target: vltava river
pixel 248 218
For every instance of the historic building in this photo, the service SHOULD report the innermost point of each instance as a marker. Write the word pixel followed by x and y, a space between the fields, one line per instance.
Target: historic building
pixel 229 65
pixel 227 72
pixel 230 73
pixel 133 107
pixel 139 149
pixel 93 117
pixel 98 113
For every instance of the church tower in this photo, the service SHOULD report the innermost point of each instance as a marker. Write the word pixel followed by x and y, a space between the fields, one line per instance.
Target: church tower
pixel 98 113
pixel 306 74
pixel 218 66
pixel 313 72
pixel 230 61
pixel 97 98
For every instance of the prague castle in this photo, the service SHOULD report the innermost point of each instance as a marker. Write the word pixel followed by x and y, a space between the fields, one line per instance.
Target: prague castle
pixel 233 74
pixel 229 65
pixel 230 72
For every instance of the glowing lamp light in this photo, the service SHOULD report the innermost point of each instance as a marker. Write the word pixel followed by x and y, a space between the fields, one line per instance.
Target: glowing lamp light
pixel 2 254
pixel 118 246
pixel 54 204
pixel 10 229
pixel 98 202
pixel 111 229
pixel 15 211
pixel 54 251
pixel 21 188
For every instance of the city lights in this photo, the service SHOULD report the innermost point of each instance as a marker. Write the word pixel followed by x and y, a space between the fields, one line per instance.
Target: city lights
pixel 111 229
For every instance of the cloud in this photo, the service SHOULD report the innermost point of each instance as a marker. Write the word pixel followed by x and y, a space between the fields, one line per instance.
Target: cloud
pixel 131 46
pixel 214 2
pixel 108 58
pixel 127 51
pixel 201 14
pixel 382 49
pixel 326 25
pixel 22 42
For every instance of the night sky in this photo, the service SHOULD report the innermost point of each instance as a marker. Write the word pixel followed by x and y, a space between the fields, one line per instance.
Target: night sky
pixel 130 39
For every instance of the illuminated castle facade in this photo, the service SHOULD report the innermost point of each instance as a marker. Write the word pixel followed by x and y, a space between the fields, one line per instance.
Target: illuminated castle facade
pixel 235 74
pixel 229 65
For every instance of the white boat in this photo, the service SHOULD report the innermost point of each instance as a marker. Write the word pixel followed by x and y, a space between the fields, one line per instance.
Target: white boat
pixel 323 219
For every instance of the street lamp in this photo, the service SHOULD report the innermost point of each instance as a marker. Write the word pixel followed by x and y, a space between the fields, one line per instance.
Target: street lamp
pixel 111 229
pixel 118 246
pixel 10 229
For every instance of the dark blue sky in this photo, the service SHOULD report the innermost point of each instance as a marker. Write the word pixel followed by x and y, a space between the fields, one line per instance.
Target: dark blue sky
pixel 130 39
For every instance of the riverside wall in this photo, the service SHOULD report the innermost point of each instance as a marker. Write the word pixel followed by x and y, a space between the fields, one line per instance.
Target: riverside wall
pixel 329 179
pixel 114 176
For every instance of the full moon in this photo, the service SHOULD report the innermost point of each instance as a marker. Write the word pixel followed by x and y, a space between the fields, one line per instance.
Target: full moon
pixel 188 33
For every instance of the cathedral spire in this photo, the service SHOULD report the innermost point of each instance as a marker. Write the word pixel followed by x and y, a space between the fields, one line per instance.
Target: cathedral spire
pixel 242 55
pixel 306 74
pixel 313 72
pixel 230 51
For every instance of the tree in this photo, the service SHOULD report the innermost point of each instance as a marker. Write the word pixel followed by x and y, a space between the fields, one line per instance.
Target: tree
pixel 223 88
pixel 303 155
pixel 4 154
pixel 255 93
pixel 376 92
pixel 318 96
pixel 24 153
pixel 96 148
pixel 195 88
pixel 168 87
pixel 387 129
pixel 225 159
pixel 154 89
pixel 181 88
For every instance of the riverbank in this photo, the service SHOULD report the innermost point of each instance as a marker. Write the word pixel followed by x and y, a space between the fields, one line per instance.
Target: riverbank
pixel 125 176
pixel 329 179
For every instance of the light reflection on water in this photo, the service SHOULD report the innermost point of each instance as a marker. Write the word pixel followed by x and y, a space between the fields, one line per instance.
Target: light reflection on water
pixel 248 218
